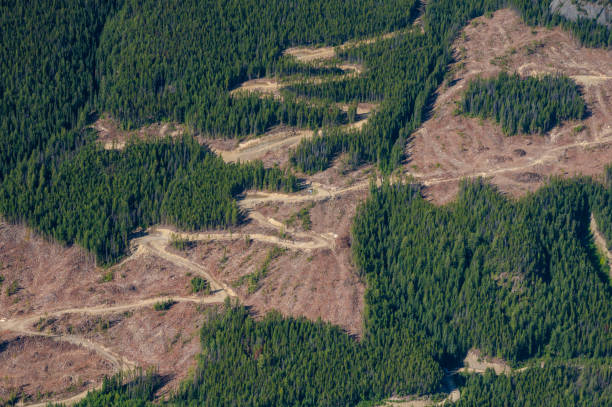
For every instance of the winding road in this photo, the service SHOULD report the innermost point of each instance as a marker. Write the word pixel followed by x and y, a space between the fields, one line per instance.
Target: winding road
pixel 156 243
pixel 157 240
pixel 322 192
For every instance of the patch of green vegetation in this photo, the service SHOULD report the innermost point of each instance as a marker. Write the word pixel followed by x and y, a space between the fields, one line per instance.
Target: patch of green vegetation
pixel 104 324
pixel 533 47
pixel 179 242
pixel 13 288
pixel 456 250
pixel 108 276
pixel 303 215
pixel 578 129
pixel 282 233
pixel 253 279
pixel 224 259
pixel 524 105
pixel 164 305
pixel 200 285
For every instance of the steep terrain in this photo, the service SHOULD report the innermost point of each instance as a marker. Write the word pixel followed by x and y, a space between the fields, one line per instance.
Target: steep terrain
pixel 215 271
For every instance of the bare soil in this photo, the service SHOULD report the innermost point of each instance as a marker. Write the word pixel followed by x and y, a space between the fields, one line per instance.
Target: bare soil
pixel 164 340
pixel 35 368
pixel 262 85
pixel 449 147
pixel 475 362
pixel 314 283
pixel 321 284
pixel 311 54
pixel 58 284
pixel 111 136
pixel 271 148
pixel 51 277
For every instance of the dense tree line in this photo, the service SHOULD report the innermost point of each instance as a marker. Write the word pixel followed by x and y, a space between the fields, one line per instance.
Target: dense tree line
pixel 404 72
pixel 584 383
pixel 123 390
pixel 515 279
pixel 96 198
pixel 288 362
pixel 551 386
pixel 48 59
pixel 524 105
pixel 295 362
pixel 178 60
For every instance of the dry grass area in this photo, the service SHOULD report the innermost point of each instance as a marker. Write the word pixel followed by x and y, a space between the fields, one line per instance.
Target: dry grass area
pixel 475 362
pixel 271 148
pixel 449 147
pixel 311 54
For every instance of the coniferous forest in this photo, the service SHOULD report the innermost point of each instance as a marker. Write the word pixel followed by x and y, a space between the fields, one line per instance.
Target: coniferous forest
pixel 520 280
pixel 529 105
pixel 440 281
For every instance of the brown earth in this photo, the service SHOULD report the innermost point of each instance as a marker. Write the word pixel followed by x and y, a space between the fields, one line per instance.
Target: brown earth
pixel 164 340
pixel 63 298
pixel 111 136
pixel 449 147
pixel 313 275
pixel 315 280
pixel 321 284
pixel 51 277
pixel 58 284
pixel 35 368
pixel 268 86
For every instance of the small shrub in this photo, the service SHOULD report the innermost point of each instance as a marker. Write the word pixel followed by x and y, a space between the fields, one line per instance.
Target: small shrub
pixel 304 216
pixel 13 288
pixel 180 243
pixel 108 276
pixel 198 284
pixel 164 305
pixel 254 278
pixel 578 129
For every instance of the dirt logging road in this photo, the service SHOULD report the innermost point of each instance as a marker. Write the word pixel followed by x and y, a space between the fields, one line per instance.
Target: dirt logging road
pixel 156 243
